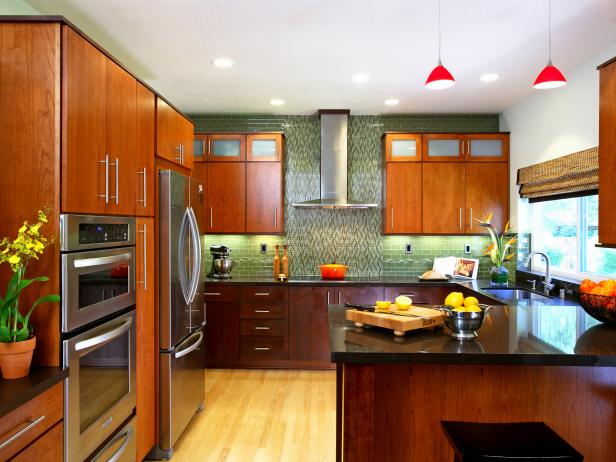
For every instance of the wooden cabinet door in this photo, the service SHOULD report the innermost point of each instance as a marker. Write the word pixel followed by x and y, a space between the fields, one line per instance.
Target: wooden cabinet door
pixel 197 195
pixel 403 198
pixel 443 148
pixel 264 147
pixel 402 147
pixel 49 447
pixel 144 151
pixel 199 147
pixel 84 106
pixel 359 295
pixel 121 138
pixel 443 198
pixel 146 343
pixel 492 147
pixel 186 135
pixel 607 157
pixel 264 208
pixel 226 147
pixel 167 142
pixel 308 324
pixel 487 191
pixel 222 333
pixel 226 197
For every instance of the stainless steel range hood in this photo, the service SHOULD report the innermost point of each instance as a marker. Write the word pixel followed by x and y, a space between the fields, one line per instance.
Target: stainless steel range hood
pixel 334 131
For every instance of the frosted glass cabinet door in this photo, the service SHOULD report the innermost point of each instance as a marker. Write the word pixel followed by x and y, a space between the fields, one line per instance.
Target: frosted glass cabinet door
pixel 199 147
pixel 264 147
pixel 487 147
pixel 444 148
pixel 402 147
pixel 226 147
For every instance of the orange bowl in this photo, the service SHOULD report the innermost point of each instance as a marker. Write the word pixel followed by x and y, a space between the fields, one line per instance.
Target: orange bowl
pixel 600 307
pixel 333 271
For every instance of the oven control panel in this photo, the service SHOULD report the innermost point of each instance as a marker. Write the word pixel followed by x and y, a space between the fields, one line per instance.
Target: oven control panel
pixel 101 233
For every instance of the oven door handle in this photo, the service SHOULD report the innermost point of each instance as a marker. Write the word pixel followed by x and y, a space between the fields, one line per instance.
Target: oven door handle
pixel 190 349
pixel 184 283
pixel 126 435
pixel 102 338
pixel 196 270
pixel 100 261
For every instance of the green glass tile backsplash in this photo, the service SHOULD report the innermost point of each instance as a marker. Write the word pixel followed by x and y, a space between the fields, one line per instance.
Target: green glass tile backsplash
pixel 352 237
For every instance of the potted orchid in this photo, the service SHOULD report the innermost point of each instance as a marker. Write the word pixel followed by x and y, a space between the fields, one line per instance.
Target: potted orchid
pixel 17 341
pixel 498 251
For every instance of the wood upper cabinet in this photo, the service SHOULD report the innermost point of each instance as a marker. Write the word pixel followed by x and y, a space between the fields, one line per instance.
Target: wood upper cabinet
pixel 229 147
pixel 402 147
pixel 200 147
pixel 443 197
pixel 146 343
pixel 144 152
pixel 264 147
pixel 186 133
pixel 487 191
pixel 486 147
pixel 308 323
pixel 403 206
pixel 174 135
pixel 264 206
pixel 226 197
pixel 85 170
pixel 198 199
pixel 443 148
pixel 607 154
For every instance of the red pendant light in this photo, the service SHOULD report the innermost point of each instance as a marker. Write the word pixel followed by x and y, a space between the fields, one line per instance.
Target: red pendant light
pixel 550 76
pixel 440 78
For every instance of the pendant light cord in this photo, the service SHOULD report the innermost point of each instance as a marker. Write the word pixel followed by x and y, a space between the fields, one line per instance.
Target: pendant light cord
pixel 549 32
pixel 439 32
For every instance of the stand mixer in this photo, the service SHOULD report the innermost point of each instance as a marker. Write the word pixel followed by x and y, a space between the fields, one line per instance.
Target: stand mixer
pixel 221 262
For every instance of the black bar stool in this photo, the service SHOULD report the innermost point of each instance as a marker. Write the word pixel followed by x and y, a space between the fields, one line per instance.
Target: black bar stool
pixel 508 442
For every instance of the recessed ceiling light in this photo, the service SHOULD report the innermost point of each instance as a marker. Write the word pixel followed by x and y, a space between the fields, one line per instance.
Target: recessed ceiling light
pixel 392 102
pixel 489 77
pixel 360 78
pixel 223 62
pixel 276 102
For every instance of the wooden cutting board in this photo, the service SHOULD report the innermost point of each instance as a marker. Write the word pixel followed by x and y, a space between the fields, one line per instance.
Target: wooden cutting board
pixel 423 317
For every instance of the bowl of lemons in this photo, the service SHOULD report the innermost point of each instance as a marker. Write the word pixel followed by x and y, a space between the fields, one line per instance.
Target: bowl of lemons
pixel 463 316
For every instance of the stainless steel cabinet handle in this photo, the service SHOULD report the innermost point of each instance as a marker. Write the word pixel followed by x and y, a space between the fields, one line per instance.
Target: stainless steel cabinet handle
pixel 212 294
pixel 109 335
pixel 178 148
pixel 262 294
pixel 261 328
pixel 190 349
pixel 392 218
pixel 99 261
pixel 460 217
pixel 470 218
pixel 144 200
pixel 126 436
pixel 468 146
pixel 262 311
pixel 29 425
pixel 117 186
pixel 211 217
pixel 106 162
pixel 262 349
pixel 462 143
pixel 275 217
pixel 204 313
pixel 339 303
pixel 209 150
pixel 328 297
pixel 145 257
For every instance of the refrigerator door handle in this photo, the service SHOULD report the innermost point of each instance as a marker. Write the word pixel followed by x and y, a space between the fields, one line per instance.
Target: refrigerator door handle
pixel 179 353
pixel 196 269
pixel 184 283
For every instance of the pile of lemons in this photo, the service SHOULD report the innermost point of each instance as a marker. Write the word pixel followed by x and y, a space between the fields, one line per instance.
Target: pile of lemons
pixel 458 303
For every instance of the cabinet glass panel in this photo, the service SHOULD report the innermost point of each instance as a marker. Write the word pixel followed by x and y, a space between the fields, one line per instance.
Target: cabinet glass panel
pixel 198 148
pixel 443 148
pixel 263 148
pixel 403 148
pixel 486 148
pixel 226 148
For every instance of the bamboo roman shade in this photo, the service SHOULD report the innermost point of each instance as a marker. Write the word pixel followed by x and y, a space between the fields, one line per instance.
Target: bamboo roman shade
pixel 576 174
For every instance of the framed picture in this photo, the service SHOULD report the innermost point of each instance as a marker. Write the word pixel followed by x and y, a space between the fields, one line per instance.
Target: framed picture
pixel 466 268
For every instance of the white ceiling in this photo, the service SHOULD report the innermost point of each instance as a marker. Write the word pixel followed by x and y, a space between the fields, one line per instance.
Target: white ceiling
pixel 305 51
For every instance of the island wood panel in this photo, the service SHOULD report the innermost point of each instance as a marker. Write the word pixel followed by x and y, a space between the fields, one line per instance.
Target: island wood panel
pixel 487 191
pixel 30 118
pixel 364 295
pixel 145 148
pixel 226 197
pixel 264 205
pixel 403 198
pixel 607 154
pixel 394 411
pixel 443 197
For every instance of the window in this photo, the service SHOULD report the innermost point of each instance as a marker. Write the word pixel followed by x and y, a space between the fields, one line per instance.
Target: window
pixel 567 230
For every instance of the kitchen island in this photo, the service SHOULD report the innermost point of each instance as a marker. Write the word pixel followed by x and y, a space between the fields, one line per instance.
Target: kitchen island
pixel 531 362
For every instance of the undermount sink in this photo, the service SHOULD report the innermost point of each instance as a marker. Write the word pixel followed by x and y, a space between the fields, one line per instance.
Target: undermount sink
pixel 515 294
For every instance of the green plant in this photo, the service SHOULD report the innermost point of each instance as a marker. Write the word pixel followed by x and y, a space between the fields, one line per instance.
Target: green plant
pixel 29 244
pixel 499 248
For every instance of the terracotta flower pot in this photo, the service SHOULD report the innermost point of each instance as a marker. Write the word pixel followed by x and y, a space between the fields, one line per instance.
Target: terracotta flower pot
pixel 15 358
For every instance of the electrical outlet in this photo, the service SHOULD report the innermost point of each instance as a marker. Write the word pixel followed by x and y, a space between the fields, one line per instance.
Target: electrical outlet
pixel 408 248
pixel 467 249
pixel 263 247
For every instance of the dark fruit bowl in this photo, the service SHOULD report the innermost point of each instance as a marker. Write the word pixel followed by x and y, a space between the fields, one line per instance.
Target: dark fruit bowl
pixel 600 307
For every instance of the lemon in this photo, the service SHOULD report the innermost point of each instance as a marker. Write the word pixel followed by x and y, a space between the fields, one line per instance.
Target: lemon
pixel 473 308
pixel 471 301
pixel 382 305
pixel 460 309
pixel 455 299
pixel 403 302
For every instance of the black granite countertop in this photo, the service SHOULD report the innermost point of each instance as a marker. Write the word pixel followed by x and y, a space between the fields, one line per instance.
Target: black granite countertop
pixel 15 392
pixel 557 333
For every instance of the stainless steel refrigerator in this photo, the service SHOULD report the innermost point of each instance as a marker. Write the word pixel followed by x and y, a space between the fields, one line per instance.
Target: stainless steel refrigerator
pixel 182 311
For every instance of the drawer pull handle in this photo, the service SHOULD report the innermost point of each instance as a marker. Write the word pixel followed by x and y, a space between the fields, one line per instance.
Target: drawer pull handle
pixel 262 294
pixel 214 294
pixel 262 311
pixel 262 349
pixel 261 328
pixel 31 424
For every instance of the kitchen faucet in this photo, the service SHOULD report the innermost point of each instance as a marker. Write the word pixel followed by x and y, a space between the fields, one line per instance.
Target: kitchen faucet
pixel 547 283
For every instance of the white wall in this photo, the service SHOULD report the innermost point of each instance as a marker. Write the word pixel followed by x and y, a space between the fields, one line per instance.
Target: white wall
pixel 553 123
pixel 16 7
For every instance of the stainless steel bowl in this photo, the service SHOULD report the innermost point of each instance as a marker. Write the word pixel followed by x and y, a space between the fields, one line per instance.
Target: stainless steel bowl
pixel 463 324
pixel 223 267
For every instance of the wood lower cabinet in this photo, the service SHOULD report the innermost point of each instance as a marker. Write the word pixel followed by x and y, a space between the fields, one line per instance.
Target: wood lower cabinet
pixel 226 197
pixel 402 213
pixel 146 341
pixel 222 329
pixel 607 154
pixel 308 325
pixel 264 206
pixel 487 191
pixel 49 447
pixel 144 152
pixel 443 200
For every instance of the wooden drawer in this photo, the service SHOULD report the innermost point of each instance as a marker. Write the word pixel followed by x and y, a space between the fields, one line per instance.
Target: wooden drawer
pixel 221 293
pixel 33 418
pixel 263 348
pixel 265 327
pixel 259 310
pixel 49 447
pixel 264 293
